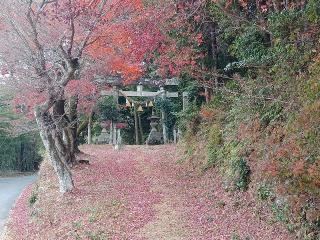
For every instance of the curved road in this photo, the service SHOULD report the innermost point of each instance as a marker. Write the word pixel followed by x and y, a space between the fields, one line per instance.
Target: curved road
pixel 10 189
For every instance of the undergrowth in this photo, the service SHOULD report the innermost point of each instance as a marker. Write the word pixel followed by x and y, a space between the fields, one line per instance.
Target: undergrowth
pixel 279 142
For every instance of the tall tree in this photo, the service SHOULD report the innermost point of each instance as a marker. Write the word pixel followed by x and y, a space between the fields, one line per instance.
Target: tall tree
pixel 45 48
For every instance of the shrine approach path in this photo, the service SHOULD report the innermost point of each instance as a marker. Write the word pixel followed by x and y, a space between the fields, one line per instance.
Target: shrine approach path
pixel 146 192
pixel 167 199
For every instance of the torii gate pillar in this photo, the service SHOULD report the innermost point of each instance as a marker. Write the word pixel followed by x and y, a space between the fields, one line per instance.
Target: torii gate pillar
pixel 164 118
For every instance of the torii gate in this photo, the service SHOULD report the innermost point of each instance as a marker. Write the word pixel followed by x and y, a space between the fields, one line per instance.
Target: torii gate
pixel 140 93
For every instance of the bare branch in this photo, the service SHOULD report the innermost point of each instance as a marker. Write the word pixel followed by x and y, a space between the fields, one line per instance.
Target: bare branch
pixel 72 29
pixel 91 29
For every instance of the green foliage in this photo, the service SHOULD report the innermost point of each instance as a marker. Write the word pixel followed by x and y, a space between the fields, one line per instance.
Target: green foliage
pixel 313 11
pixel 214 145
pixel 188 119
pixel 264 192
pixel 169 108
pixel 281 211
pixel 107 109
pixel 270 100
pixel 100 235
pixel 188 84
pixel 242 173
pixel 33 198
pixel 250 46
pixel 270 113
pixel 20 152
pixel 235 236
pixel 221 204
pixel 77 224
pixel 284 25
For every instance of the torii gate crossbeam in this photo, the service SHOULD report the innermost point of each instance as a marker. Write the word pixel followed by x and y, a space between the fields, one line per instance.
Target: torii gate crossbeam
pixel 140 93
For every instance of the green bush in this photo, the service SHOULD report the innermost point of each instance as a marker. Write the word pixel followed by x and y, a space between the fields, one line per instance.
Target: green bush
pixel 20 153
pixel 33 198
pixel 100 235
pixel 264 192
pixel 214 145
pixel 107 109
pixel 188 119
pixel 270 113
pixel 242 173
pixel 281 211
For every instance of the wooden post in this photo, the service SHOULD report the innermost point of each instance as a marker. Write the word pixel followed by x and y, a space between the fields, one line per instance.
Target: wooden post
pixel 136 127
pixel 140 127
pixel 164 127
pixel 114 133
pixel 119 140
pixel 175 140
pixel 111 133
pixel 164 118
pixel 89 129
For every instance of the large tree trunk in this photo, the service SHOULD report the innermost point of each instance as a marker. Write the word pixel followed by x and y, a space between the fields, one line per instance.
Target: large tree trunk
pixel 73 118
pixel 57 153
pixel 62 123
pixel 210 31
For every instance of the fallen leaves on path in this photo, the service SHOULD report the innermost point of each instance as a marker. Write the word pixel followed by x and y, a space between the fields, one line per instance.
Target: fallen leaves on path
pixel 138 193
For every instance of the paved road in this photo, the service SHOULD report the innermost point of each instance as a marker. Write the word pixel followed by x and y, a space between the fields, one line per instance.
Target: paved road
pixel 10 189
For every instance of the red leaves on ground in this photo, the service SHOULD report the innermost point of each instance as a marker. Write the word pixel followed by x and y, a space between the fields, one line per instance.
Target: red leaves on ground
pixel 121 195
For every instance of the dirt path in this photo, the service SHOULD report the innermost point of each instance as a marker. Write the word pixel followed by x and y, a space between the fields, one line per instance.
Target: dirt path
pixel 193 207
pixel 140 193
pixel 168 222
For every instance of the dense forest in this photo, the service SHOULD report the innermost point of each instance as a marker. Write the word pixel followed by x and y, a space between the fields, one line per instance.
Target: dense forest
pixel 251 70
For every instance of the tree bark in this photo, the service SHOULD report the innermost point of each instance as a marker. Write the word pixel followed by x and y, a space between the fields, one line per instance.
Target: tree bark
pixel 207 93
pixel 73 118
pixel 57 153
pixel 66 133
pixel 82 126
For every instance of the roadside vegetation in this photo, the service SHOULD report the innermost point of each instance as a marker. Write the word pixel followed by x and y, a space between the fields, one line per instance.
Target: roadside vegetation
pixel 20 148
pixel 261 129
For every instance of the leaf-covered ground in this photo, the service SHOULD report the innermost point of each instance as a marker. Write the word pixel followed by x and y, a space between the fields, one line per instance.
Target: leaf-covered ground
pixel 138 193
